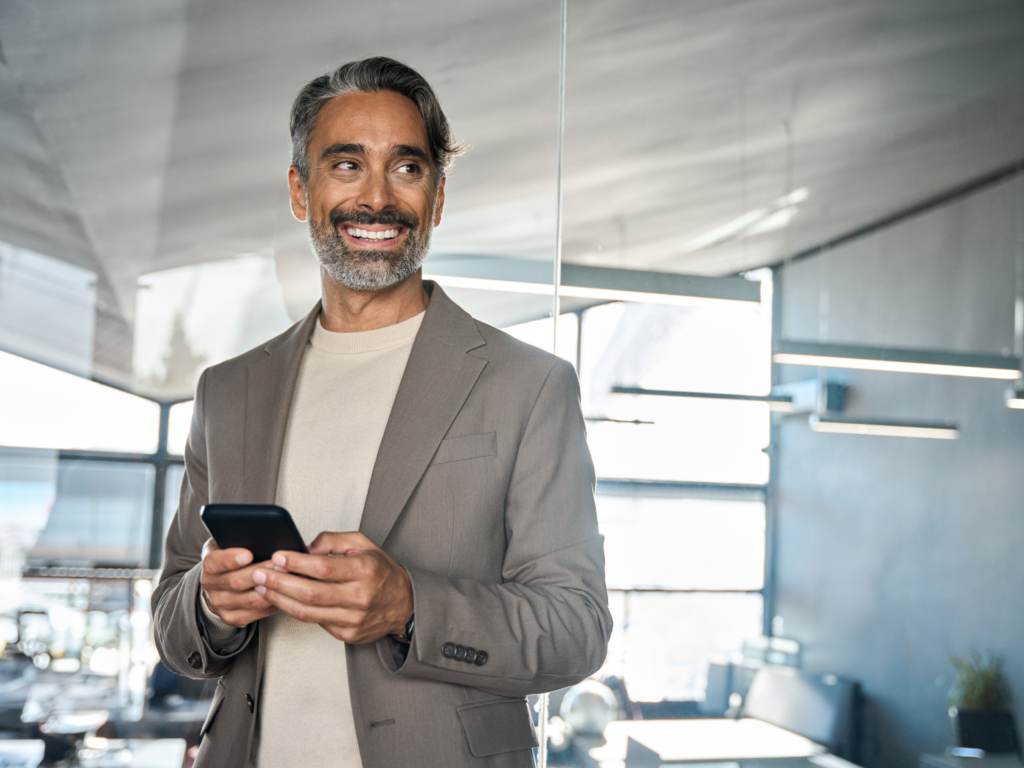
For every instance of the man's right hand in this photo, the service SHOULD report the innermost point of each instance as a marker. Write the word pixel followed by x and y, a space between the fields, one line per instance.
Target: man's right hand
pixel 228 586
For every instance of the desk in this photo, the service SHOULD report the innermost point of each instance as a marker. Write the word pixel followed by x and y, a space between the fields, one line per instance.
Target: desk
pixel 100 753
pixel 704 741
pixel 988 761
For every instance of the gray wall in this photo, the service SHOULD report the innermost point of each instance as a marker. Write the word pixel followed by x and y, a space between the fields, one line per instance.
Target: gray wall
pixel 894 552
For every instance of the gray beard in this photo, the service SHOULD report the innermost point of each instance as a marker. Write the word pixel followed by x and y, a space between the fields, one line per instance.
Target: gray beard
pixel 368 270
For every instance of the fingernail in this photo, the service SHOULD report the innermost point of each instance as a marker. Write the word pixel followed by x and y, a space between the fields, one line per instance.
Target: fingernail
pixel 259 577
pixel 279 559
pixel 279 569
pixel 261 590
pixel 242 559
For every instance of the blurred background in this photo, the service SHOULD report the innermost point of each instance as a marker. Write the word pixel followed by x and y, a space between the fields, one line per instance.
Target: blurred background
pixel 791 283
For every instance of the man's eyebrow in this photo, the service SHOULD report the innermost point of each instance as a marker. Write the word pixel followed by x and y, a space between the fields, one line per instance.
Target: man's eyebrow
pixel 406 150
pixel 343 149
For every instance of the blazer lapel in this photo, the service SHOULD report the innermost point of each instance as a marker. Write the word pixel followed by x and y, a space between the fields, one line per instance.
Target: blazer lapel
pixel 438 378
pixel 271 385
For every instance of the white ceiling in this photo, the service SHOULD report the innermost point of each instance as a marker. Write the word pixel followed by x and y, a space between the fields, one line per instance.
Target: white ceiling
pixel 139 137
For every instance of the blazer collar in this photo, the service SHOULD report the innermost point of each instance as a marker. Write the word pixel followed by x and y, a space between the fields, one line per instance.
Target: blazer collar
pixel 437 381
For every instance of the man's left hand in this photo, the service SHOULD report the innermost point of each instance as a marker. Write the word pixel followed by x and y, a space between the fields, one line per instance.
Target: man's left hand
pixel 358 598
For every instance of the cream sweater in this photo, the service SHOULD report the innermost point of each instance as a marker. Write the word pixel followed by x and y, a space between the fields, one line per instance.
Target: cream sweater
pixel 346 387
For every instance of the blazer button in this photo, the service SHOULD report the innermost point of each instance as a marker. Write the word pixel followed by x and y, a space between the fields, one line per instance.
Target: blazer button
pixel 460 652
pixel 195 660
pixel 448 650
pixel 249 702
pixel 481 658
pixel 470 655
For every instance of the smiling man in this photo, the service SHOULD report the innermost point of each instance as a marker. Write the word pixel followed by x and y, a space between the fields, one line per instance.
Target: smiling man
pixel 438 466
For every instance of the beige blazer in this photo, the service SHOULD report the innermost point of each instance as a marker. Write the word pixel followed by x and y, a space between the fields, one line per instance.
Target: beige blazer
pixel 483 490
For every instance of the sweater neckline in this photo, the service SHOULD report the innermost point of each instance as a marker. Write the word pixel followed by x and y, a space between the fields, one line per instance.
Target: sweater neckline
pixel 357 342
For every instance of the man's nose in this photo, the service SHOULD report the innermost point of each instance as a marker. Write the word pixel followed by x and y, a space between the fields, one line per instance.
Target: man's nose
pixel 376 193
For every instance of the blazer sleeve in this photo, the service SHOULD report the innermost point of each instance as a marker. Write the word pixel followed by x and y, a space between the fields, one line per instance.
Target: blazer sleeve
pixel 181 635
pixel 546 626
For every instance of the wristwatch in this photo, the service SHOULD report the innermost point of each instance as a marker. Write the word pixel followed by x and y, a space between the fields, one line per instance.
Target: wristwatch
pixel 406 637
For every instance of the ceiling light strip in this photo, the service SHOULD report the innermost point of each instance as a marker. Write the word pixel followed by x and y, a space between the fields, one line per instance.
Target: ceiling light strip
pixel 873 427
pixel 530 276
pixel 897 360
pixel 573 291
pixel 775 402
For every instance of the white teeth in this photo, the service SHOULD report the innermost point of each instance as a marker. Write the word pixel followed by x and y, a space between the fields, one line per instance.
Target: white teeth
pixel 363 234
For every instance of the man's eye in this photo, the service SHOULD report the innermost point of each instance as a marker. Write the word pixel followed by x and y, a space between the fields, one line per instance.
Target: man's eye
pixel 346 165
pixel 408 168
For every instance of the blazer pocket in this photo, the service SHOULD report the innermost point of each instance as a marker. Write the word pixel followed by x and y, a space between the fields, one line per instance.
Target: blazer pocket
pixel 466 447
pixel 497 725
pixel 218 699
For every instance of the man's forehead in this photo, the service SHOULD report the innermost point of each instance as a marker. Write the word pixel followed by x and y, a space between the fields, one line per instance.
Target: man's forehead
pixel 377 121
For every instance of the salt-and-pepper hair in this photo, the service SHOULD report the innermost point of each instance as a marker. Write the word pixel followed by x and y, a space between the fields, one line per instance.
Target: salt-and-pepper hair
pixel 372 75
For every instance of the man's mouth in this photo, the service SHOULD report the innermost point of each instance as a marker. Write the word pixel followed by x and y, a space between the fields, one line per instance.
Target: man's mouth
pixel 373 236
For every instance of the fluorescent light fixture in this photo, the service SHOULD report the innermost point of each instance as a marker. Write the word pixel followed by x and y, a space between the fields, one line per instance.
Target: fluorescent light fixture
pixel 485 273
pixel 775 402
pixel 854 426
pixel 775 216
pixel 1015 398
pixel 897 360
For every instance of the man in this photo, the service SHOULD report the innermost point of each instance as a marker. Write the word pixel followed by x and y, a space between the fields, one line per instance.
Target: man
pixel 439 466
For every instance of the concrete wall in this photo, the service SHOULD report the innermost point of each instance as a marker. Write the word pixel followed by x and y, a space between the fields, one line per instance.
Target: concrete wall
pixel 893 553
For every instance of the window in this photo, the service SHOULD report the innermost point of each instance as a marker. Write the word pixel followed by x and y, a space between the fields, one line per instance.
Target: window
pixel 680 484
pixel 100 515
pixel 178 424
pixel 699 543
pixel 41 407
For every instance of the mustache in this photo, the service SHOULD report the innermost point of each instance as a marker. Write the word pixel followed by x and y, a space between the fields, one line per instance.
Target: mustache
pixel 385 217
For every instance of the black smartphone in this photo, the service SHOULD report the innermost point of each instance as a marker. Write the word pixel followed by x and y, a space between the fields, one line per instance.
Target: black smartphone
pixel 263 529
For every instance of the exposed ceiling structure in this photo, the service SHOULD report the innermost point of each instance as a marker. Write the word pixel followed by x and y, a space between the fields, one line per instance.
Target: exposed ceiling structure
pixel 703 137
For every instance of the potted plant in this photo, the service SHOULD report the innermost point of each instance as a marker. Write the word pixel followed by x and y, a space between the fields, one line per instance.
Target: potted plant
pixel 980 704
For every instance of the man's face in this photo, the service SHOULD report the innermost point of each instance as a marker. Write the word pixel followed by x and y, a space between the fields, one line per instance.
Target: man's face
pixel 370 200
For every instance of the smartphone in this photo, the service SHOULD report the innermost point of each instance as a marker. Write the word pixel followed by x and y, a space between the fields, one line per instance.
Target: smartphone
pixel 263 529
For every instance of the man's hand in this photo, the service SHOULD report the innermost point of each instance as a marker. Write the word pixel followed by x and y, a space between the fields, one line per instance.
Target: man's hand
pixel 358 598
pixel 228 586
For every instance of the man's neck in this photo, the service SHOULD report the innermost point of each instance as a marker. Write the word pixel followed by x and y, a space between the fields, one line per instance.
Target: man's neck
pixel 345 310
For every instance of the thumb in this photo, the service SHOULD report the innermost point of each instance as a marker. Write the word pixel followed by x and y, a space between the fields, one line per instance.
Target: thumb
pixel 332 543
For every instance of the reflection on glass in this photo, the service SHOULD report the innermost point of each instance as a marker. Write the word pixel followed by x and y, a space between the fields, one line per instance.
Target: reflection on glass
pixel 41 407
pixel 191 317
pixel 669 543
pixel 47 309
pixel 179 421
pixel 662 642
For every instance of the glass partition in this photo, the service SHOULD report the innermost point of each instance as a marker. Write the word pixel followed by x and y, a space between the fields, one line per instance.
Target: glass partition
pixel 146 235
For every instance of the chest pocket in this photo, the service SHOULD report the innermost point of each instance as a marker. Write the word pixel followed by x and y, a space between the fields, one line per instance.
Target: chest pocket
pixel 466 447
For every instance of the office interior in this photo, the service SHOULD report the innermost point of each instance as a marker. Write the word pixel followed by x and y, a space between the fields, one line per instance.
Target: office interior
pixel 782 242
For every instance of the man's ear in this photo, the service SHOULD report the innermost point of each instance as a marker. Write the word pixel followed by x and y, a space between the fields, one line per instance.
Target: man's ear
pixel 439 204
pixel 297 193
